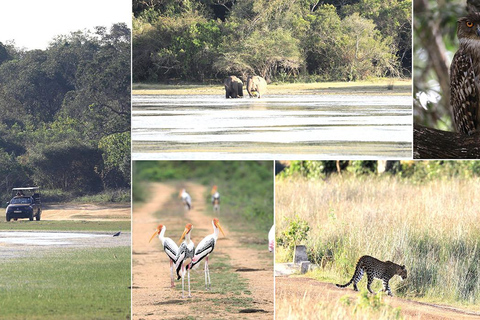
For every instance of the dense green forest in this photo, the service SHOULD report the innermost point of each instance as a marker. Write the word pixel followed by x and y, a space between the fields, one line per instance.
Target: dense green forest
pixel 65 113
pixel 281 40
pixel 246 187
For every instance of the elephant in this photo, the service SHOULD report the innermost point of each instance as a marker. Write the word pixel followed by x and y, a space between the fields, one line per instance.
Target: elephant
pixel 233 87
pixel 256 86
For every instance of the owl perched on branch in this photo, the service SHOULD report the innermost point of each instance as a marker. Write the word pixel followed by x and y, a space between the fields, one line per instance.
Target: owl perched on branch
pixel 465 76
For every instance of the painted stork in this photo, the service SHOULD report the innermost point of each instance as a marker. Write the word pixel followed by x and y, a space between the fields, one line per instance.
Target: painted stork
pixel 215 199
pixel 204 248
pixel 184 257
pixel 271 239
pixel 169 246
pixel 186 199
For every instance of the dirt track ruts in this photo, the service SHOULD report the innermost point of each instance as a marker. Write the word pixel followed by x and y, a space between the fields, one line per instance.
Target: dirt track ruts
pixel 301 287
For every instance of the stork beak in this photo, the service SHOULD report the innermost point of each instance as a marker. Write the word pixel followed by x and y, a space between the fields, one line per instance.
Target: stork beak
pixel 183 234
pixel 153 236
pixel 220 227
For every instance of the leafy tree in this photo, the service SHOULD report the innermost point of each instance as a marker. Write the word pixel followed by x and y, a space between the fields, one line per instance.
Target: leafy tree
pixel 69 168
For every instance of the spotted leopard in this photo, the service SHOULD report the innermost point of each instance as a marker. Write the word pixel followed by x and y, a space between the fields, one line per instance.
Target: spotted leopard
pixel 376 269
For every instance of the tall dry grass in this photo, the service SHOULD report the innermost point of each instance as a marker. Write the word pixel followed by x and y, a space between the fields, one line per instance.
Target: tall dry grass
pixel 433 228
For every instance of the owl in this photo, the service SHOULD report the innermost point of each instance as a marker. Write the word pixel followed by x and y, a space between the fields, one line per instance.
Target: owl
pixel 464 76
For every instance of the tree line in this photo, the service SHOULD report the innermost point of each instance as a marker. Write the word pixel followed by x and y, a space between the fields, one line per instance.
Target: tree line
pixel 65 112
pixel 281 40
pixel 416 171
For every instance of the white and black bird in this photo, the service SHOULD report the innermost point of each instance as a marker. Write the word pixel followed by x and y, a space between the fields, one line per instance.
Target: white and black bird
pixel 271 239
pixel 215 199
pixel 205 248
pixel 184 257
pixel 186 199
pixel 169 246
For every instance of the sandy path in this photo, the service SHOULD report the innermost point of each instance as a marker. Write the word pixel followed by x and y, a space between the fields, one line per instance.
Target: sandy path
pixel 152 297
pixel 111 211
pixel 306 288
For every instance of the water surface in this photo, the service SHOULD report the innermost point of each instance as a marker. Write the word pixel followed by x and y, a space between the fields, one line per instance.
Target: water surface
pixel 275 127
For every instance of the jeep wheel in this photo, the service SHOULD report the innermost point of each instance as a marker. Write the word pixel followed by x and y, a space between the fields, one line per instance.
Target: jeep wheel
pixel 8 217
pixel 31 217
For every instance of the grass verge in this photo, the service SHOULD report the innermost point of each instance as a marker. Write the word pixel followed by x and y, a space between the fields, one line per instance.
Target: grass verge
pixel 66 225
pixel 74 284
pixel 366 306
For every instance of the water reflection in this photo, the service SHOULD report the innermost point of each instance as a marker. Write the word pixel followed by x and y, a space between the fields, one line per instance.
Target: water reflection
pixel 358 125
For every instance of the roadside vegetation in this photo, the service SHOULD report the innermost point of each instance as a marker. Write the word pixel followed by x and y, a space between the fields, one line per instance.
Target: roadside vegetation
pixel 282 41
pixel 421 214
pixel 365 306
pixel 65 114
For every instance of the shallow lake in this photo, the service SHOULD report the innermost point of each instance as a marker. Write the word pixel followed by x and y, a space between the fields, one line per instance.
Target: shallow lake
pixel 276 127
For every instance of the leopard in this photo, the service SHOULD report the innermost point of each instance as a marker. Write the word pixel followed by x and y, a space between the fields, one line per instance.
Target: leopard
pixel 376 269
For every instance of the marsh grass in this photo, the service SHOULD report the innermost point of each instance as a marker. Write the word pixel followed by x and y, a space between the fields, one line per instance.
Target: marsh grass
pixel 432 228
pixel 73 284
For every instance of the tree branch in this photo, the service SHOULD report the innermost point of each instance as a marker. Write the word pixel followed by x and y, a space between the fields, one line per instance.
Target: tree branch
pixel 437 144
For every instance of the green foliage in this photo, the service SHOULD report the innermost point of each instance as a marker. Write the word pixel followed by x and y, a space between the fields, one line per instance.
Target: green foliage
pixel 296 232
pixel 312 169
pixel 116 158
pixel 280 40
pixel 63 107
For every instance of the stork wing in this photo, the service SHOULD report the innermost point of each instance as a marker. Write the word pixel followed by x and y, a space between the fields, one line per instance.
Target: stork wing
pixel 204 248
pixel 182 252
pixel 170 248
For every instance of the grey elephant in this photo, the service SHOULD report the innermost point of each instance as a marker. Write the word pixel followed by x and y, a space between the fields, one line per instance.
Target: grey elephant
pixel 233 87
pixel 256 86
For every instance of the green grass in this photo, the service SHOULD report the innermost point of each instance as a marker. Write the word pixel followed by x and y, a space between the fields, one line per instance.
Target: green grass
pixel 429 227
pixel 65 225
pixel 73 284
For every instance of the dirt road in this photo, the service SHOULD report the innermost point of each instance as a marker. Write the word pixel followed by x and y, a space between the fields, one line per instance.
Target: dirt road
pixel 114 211
pixel 299 288
pixel 152 297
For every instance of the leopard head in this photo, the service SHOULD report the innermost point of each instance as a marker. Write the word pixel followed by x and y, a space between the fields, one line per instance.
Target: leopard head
pixel 402 272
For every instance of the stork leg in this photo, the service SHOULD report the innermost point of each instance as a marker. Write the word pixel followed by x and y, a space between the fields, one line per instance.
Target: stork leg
pixel 189 295
pixel 183 278
pixel 207 275
pixel 172 283
pixel 205 270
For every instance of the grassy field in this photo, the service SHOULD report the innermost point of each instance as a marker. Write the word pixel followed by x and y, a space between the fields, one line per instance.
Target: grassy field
pixel 65 225
pixel 432 227
pixel 400 86
pixel 73 284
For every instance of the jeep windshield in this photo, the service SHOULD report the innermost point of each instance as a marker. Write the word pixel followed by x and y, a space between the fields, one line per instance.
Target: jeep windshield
pixel 22 200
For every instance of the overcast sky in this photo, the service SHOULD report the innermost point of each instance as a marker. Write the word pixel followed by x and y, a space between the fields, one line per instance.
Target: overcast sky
pixel 33 24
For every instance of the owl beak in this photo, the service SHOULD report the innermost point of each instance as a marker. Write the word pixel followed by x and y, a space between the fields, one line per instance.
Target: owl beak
pixel 478 30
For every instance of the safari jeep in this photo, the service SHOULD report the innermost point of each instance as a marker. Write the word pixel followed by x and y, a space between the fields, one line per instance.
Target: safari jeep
pixel 24 204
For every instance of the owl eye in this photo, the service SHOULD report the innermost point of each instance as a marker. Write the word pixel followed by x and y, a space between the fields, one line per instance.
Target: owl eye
pixel 469 24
